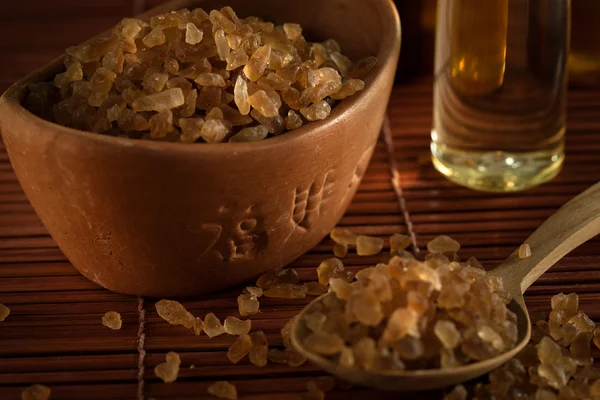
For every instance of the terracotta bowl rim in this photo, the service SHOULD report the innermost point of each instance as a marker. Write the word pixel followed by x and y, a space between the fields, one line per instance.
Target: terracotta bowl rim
pixel 346 109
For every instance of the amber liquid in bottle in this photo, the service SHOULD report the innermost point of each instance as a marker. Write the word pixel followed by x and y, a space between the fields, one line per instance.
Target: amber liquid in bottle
pixel 478 45
pixel 499 94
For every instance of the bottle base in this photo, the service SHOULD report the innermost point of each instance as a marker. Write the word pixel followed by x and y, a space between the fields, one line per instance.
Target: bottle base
pixel 497 171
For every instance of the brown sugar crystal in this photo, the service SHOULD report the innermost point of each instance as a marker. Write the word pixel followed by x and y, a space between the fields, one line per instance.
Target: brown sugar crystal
pixel 247 304
pixel 168 370
pixel 36 392
pixel 269 73
pixel 235 326
pixel 524 251
pixel 212 326
pixel 4 312
pixel 399 242
pixel 258 351
pixel 442 244
pixel 223 390
pixel 368 245
pixel 175 313
pixel 286 291
pixel 343 236
pixel 112 320
pixel 277 277
pixel 332 268
pixel 240 348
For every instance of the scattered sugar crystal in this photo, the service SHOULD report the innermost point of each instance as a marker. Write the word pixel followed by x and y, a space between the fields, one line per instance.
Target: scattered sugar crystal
pixel 596 337
pixel 315 288
pixel 582 322
pixel 329 268
pixel 399 242
pixel 175 313
pixel 223 390
pixel 198 326
pixel 548 351
pixel 568 303
pixel 254 291
pixel 168 370
pixel 212 326
pixel 235 326
pixel 343 236
pixel 580 349
pixel 340 250
pixel 4 312
pixel 288 356
pixel 112 320
pixel 286 291
pixel 239 349
pixel 258 351
pixel 247 304
pixel 368 245
pixel 524 251
pixel 443 244
pixel 276 277
pixel 36 392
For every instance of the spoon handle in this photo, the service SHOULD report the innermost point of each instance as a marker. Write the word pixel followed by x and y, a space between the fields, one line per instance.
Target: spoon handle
pixel 573 224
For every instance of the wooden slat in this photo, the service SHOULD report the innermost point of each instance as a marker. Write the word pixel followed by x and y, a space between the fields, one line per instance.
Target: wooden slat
pixel 54 335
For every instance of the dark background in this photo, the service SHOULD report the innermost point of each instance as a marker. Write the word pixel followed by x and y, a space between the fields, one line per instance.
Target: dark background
pixel 33 32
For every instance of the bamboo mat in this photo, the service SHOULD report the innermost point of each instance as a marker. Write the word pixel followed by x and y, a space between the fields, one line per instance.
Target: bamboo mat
pixel 54 333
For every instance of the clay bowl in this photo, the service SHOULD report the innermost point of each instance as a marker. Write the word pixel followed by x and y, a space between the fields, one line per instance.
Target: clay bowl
pixel 172 219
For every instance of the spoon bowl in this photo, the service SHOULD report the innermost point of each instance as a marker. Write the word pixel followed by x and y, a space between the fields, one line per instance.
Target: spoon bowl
pixel 575 223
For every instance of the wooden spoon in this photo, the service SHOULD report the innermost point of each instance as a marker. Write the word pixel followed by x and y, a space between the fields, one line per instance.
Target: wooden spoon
pixel 575 222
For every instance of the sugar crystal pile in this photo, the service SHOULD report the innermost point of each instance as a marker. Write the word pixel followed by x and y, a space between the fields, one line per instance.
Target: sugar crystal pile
pixel 409 314
pixel 557 364
pixel 192 76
